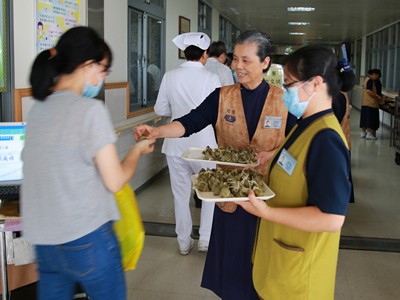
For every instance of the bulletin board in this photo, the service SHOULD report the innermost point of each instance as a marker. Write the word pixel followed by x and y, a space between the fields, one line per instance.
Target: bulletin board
pixel 53 18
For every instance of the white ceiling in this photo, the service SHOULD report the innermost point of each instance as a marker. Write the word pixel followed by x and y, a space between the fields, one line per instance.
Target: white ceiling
pixel 332 22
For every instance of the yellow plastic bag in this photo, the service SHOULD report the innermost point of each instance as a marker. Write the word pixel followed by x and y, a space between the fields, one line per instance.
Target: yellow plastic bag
pixel 129 229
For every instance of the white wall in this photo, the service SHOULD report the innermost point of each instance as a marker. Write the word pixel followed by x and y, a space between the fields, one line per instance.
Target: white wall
pixel 24 44
pixel 174 9
pixel 189 10
pixel 116 35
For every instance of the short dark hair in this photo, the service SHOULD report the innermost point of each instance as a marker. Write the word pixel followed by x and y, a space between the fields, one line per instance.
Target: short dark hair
pixel 76 46
pixel 193 53
pixel 375 71
pixel 216 49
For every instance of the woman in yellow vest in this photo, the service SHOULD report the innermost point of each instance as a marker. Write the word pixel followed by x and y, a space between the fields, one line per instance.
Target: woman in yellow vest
pixel 296 249
pixel 240 115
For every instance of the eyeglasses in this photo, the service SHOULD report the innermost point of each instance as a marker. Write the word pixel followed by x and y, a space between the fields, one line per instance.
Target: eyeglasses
pixel 288 85
pixel 106 68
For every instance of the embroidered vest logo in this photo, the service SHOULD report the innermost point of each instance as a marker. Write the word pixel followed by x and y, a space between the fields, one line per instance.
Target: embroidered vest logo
pixel 230 116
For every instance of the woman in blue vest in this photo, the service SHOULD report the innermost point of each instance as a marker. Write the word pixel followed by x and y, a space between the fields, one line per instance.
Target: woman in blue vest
pixel 296 249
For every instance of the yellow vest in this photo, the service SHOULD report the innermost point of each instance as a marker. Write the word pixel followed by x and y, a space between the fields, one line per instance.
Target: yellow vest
pixel 291 264
pixel 367 100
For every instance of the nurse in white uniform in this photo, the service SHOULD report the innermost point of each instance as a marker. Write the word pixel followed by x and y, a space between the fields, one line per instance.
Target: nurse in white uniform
pixel 182 90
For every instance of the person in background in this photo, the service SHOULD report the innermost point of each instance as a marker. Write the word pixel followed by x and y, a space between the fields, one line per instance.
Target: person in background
pixel 340 102
pixel 228 62
pixel 182 90
pixel 154 79
pixel 372 95
pixel 297 245
pixel 71 170
pixel 215 63
pixel 238 113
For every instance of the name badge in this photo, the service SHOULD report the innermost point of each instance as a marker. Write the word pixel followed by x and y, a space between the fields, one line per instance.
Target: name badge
pixel 272 122
pixel 287 161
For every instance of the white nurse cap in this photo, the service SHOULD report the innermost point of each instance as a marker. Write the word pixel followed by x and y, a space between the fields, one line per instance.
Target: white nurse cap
pixel 198 39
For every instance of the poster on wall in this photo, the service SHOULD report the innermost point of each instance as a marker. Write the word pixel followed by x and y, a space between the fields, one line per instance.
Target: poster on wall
pixel 3 53
pixel 53 18
pixel 275 75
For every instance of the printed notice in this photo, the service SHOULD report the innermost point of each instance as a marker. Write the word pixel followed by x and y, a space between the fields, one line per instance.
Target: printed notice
pixel 53 18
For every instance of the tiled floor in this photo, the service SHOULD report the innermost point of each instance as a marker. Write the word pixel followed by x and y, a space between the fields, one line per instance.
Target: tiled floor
pixel 163 273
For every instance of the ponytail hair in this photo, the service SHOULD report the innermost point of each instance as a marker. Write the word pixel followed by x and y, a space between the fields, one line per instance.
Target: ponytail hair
pixel 75 47
pixel 43 75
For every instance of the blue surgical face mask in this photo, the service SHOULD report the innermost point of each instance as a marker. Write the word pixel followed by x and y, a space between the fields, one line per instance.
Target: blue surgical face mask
pixel 91 91
pixel 291 99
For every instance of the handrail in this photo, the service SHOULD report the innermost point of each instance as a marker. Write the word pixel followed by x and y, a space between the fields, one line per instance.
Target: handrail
pixel 154 120
pixel 21 93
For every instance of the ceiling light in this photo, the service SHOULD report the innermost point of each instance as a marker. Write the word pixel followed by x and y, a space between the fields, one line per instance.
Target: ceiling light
pixel 301 8
pixel 297 33
pixel 299 23
pixel 234 10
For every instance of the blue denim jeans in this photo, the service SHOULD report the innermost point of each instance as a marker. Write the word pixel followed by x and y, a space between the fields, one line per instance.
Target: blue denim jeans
pixel 93 261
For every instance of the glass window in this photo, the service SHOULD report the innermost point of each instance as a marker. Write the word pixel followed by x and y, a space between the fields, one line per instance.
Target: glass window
pixel 385 36
pixel 370 42
pixel 392 35
pixel 391 66
pixel 234 34
pixel 205 18
pixel 383 67
pixel 154 76
pixel 156 2
pixel 145 55
pixel 228 33
pixel 357 60
pixel 398 33
pixel 396 78
pixel 383 52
